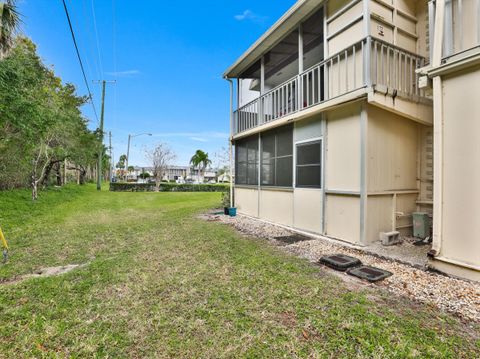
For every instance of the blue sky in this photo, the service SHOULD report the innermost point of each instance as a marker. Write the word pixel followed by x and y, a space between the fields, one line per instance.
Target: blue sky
pixel 166 56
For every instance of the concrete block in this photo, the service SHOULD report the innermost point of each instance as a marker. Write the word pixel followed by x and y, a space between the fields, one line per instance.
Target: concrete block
pixel 390 238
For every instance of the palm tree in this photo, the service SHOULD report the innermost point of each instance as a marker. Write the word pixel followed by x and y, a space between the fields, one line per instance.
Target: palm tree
pixel 200 160
pixel 9 23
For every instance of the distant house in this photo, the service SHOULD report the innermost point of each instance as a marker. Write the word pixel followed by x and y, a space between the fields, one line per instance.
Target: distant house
pixel 176 173
pixel 208 176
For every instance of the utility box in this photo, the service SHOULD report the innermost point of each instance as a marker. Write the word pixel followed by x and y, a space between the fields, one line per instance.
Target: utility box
pixel 422 222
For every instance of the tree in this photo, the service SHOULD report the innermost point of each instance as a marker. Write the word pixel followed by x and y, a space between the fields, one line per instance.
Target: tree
pixel 41 124
pixel 130 169
pixel 200 160
pixel 120 166
pixel 144 175
pixel 9 24
pixel 161 157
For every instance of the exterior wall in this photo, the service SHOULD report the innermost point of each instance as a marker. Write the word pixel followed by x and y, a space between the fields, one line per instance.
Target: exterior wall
pixel 308 209
pixel 462 33
pixel 343 217
pixel 392 152
pixel 342 173
pixel 392 147
pixel 246 201
pixel 343 33
pixel 343 149
pixel 460 192
pixel 425 170
pixel 399 22
pixel 277 206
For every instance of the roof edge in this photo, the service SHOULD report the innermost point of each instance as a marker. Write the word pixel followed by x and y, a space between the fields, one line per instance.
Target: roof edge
pixel 279 29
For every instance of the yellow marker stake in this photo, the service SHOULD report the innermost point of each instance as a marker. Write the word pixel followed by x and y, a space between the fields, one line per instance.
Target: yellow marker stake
pixel 3 240
pixel 5 246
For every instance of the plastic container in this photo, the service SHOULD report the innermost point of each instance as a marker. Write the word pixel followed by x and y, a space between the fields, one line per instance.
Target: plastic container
pixel 232 211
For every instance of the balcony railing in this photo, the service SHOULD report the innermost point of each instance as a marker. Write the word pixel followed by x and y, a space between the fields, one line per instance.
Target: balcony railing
pixel 369 62
pixel 462 26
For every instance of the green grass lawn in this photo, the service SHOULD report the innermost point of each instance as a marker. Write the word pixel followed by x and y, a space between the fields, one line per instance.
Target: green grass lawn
pixel 161 283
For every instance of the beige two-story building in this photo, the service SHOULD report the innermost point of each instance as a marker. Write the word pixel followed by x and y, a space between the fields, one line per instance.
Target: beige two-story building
pixel 454 76
pixel 334 127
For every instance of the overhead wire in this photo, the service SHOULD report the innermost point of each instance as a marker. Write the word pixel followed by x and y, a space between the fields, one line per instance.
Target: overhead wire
pixel 97 37
pixel 79 58
pixel 114 49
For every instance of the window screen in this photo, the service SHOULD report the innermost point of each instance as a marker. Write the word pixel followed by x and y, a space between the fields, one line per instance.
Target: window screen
pixel 309 167
pixel 277 157
pixel 246 161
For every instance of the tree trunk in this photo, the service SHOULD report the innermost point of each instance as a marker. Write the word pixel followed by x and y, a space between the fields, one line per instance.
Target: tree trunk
pixel 58 174
pixel 81 176
pixel 34 186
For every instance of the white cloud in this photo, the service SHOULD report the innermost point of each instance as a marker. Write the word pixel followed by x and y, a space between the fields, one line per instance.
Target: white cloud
pixel 249 15
pixel 199 139
pixel 126 73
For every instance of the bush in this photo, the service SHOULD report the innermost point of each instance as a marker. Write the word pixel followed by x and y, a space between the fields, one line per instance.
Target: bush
pixel 167 187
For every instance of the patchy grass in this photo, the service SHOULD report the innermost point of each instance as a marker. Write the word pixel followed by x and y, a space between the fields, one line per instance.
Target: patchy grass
pixel 160 283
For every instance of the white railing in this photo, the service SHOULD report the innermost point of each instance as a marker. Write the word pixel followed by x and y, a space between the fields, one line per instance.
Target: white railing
pixel 280 101
pixel 462 26
pixel 369 62
pixel 247 116
pixel 394 69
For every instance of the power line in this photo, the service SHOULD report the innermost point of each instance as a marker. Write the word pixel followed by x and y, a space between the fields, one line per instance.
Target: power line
pixel 96 35
pixel 80 59
pixel 114 40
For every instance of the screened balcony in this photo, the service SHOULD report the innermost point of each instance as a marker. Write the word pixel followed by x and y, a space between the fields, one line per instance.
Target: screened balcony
pixel 369 63
pixel 461 26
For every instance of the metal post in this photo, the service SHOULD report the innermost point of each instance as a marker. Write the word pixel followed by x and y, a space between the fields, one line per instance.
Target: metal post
pixel 230 146
pixel 261 103
pixel 128 153
pixel 300 48
pixel 100 152
pixel 111 156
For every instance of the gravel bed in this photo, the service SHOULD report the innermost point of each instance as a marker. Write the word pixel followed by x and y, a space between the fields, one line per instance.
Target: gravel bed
pixel 449 294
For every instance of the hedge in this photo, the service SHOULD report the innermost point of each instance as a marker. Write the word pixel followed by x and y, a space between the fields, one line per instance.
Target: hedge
pixel 167 187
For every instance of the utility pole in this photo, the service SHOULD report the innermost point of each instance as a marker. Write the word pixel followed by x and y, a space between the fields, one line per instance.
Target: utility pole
pixel 128 153
pixel 128 146
pixel 100 152
pixel 111 156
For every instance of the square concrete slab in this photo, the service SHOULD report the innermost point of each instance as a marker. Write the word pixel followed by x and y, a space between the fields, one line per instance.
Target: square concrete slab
pixel 340 262
pixel 371 274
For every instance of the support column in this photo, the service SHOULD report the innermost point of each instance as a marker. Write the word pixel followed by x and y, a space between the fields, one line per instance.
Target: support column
pixel 300 49
pixel 300 68
pixel 363 172
pixel 261 104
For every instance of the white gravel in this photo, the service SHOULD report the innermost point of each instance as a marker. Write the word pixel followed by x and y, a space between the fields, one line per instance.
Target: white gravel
pixel 449 294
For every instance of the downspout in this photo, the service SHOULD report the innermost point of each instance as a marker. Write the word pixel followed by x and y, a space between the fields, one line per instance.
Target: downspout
pixel 230 147
pixel 438 130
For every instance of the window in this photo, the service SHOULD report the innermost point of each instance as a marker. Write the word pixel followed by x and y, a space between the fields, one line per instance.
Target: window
pixel 277 157
pixel 246 161
pixel 309 166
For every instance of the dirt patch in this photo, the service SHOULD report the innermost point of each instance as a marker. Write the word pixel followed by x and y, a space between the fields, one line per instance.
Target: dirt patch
pixel 43 272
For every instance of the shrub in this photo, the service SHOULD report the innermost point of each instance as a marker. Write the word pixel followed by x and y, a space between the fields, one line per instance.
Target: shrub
pixel 167 187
